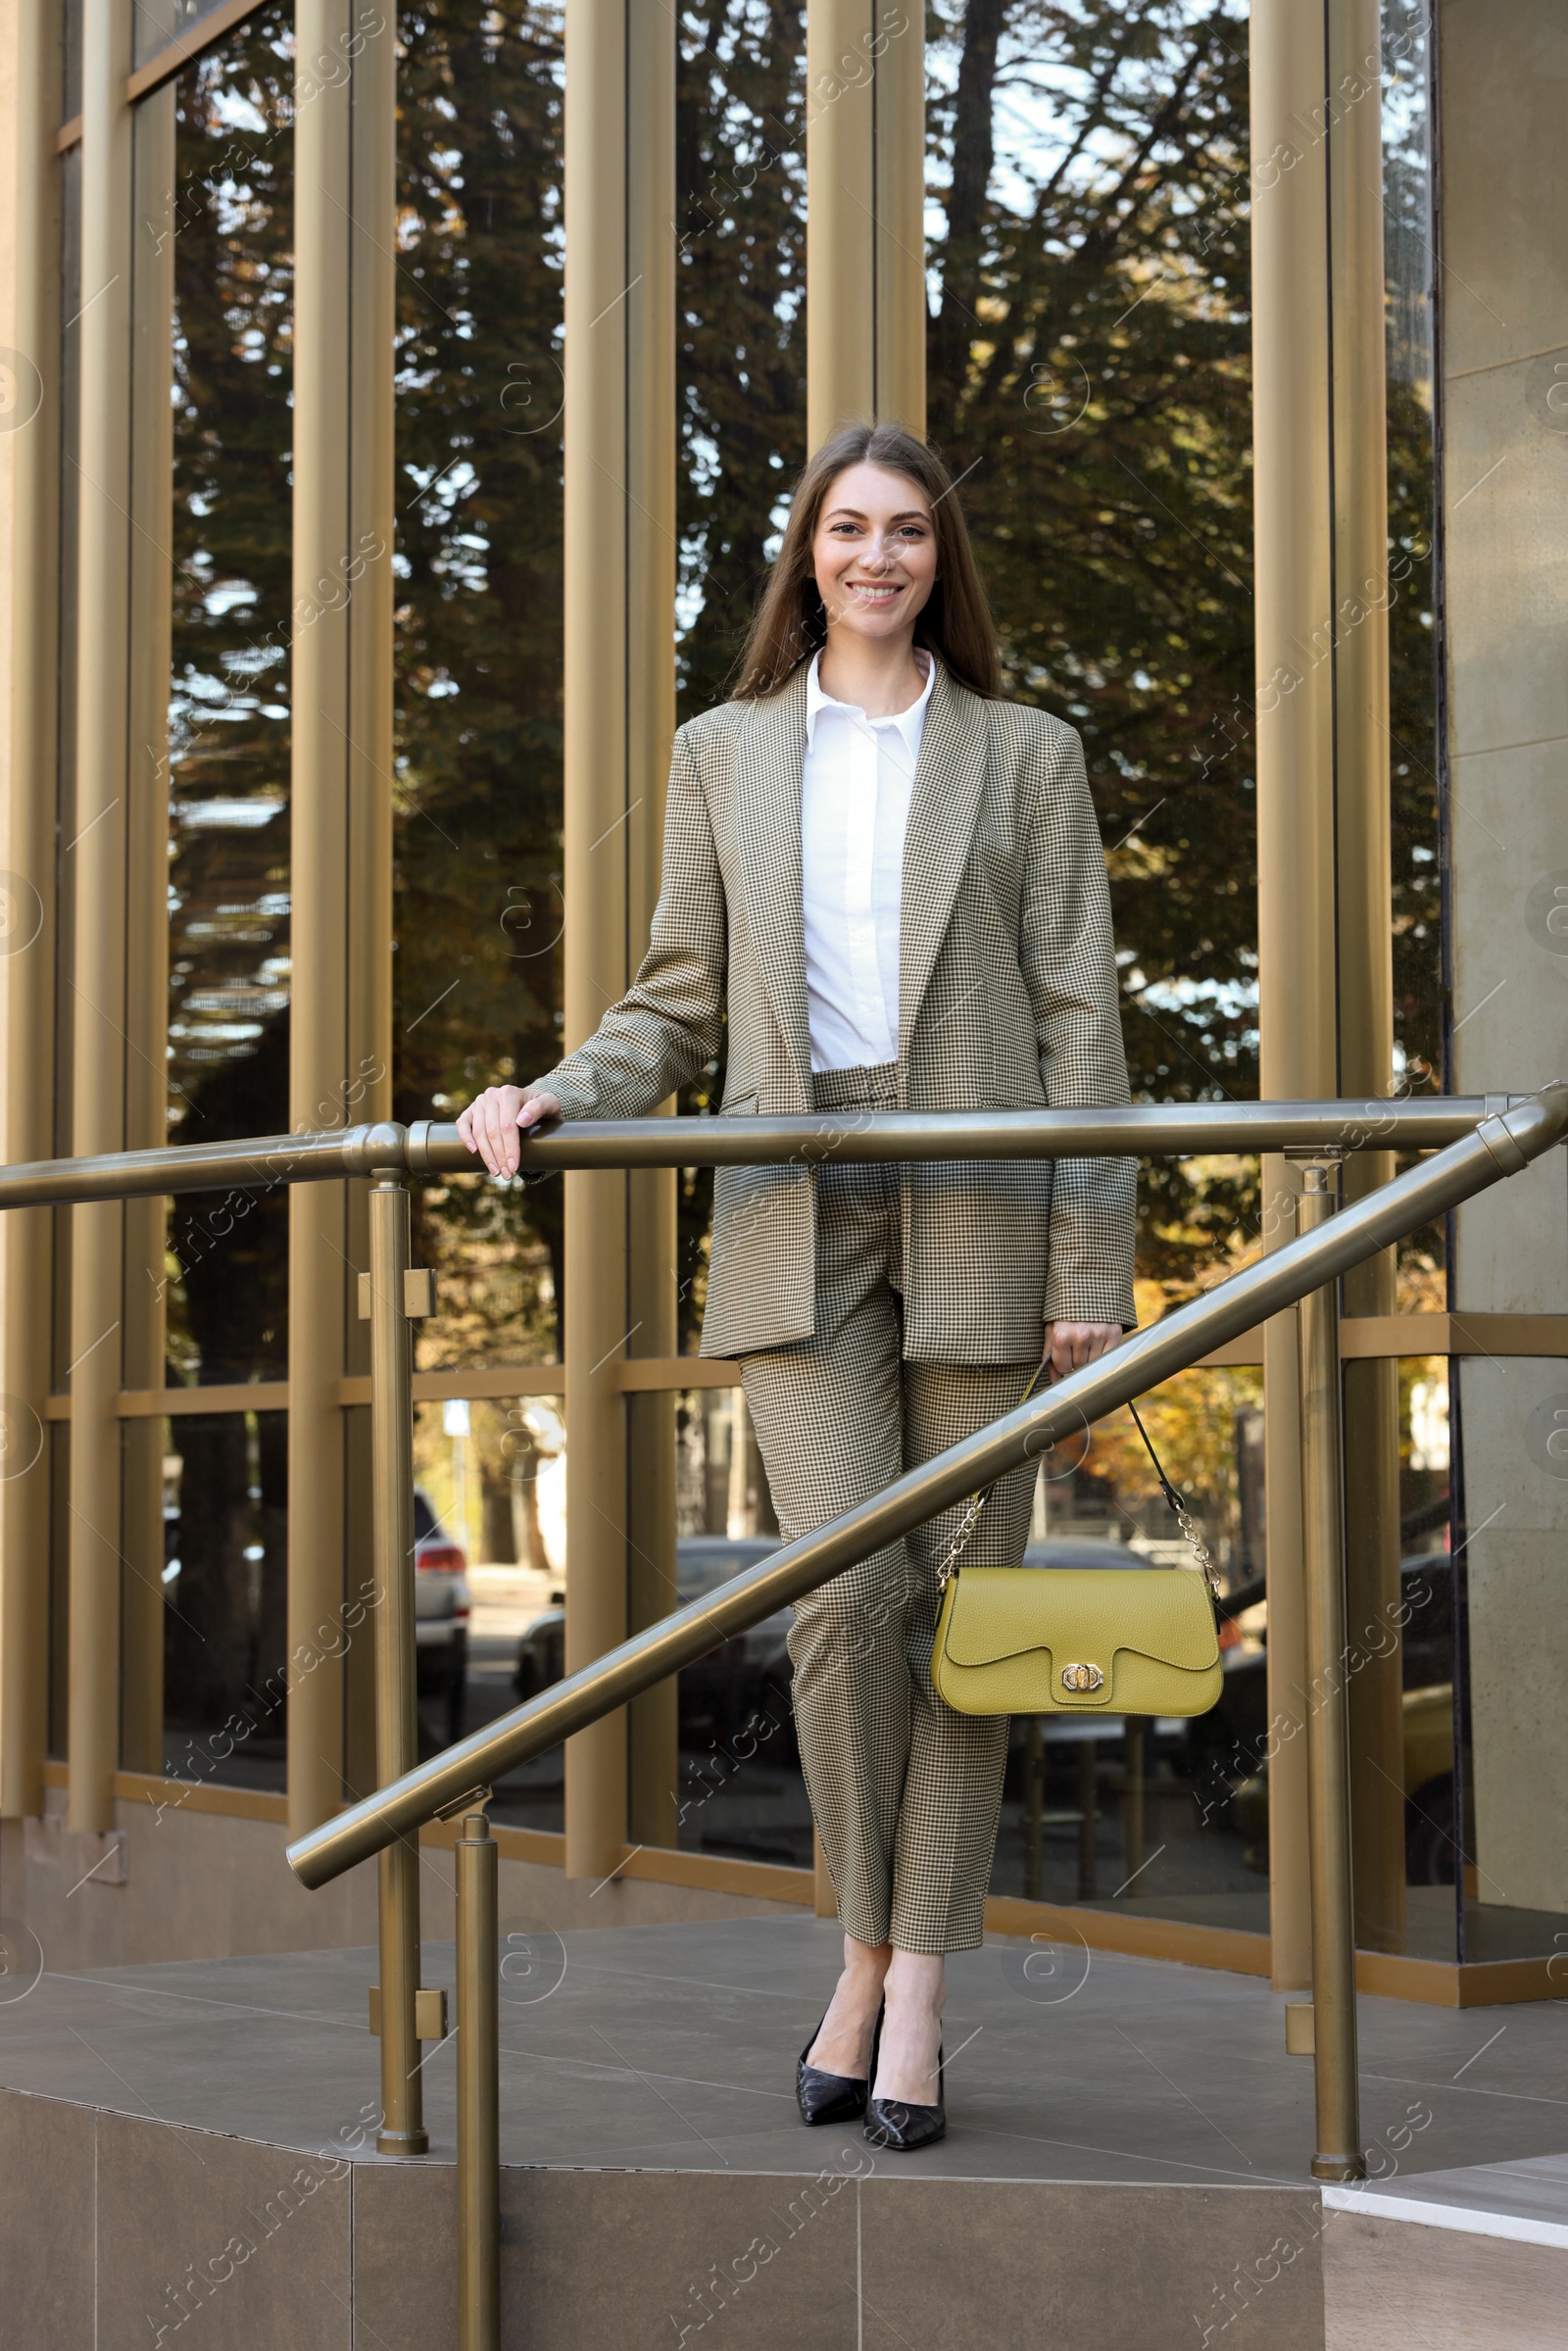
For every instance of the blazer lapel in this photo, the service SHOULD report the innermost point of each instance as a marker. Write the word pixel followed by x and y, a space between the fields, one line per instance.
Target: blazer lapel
pixel 767 818
pixel 948 781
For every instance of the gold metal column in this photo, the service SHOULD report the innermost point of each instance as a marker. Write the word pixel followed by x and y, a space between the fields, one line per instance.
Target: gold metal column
pixel 1296 871
pixel 865 314
pixel 478 2090
pixel 341 830
pixel 1324 897
pixel 653 1745
pixel 619 714
pixel 95 866
pixel 146 883
pixel 1364 894
pixel 1339 2153
pixel 30 419
pixel 402 2131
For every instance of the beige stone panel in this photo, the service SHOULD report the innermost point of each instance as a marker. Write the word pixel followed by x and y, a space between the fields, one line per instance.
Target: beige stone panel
pixel 1518 1563
pixel 200 1886
pixel 1511 816
pixel 1513 1240
pixel 1511 1012
pixel 1510 828
pixel 1506 487
pixel 1394 2285
pixel 1504 94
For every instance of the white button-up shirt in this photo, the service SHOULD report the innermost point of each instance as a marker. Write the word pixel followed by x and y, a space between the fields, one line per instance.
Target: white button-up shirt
pixel 854 810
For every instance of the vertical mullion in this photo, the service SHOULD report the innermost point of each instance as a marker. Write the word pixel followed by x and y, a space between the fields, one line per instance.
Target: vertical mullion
pixel 651 1207
pixel 98 855
pixel 1364 926
pixel 147 916
pixel 340 831
pixel 32 450
pixel 598 300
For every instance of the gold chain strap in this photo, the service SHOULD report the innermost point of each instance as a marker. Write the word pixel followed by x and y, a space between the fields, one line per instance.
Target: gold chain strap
pixel 978 1501
pixel 1192 1531
pixel 1202 1557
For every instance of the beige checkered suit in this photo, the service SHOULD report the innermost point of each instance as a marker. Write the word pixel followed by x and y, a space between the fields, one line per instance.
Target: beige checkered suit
pixel 1009 998
pixel 883 1313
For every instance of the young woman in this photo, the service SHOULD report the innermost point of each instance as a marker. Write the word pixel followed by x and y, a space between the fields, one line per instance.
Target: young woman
pixel 888 884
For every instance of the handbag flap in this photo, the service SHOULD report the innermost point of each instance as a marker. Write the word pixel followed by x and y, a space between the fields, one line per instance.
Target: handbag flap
pixel 1081 1612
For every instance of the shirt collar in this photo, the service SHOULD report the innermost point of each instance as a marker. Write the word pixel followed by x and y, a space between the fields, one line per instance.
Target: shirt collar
pixel 908 722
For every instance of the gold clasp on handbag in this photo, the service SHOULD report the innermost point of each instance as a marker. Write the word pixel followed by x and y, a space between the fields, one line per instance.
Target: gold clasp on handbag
pixel 1082 1677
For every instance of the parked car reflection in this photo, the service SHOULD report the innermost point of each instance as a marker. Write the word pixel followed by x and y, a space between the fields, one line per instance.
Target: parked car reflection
pixel 749 1674
pixel 440 1614
pixel 718 1695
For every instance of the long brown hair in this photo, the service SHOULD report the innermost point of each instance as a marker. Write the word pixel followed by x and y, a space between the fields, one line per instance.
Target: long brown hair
pixel 790 625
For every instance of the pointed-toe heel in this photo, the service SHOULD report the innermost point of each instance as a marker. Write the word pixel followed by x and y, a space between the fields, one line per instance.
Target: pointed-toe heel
pixel 897 2125
pixel 827 2098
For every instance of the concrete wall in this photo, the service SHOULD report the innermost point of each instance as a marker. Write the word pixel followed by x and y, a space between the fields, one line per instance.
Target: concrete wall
pixel 189 1885
pixel 1504 100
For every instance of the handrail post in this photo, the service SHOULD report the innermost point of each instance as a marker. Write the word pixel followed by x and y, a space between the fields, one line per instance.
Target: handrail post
pixel 479 2091
pixel 1339 2153
pixel 402 2131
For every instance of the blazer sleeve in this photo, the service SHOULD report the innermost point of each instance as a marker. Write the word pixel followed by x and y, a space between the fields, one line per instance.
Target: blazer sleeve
pixel 669 1022
pixel 1069 967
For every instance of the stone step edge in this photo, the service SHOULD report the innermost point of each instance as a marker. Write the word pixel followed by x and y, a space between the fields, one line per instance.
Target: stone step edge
pixel 1463 2219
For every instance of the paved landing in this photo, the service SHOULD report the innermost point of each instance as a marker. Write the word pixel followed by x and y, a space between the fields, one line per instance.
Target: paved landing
pixel 673 2049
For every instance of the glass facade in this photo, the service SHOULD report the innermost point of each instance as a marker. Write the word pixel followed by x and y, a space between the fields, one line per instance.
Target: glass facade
pixel 1089 378
pixel 231 219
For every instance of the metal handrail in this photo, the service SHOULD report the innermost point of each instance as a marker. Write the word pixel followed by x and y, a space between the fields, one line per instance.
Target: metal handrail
pixel 1153 1130
pixel 1478 1141
pixel 1149 1130
pixel 1498 1145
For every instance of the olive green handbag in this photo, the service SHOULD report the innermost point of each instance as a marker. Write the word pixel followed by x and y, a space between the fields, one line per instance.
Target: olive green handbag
pixel 1078 1640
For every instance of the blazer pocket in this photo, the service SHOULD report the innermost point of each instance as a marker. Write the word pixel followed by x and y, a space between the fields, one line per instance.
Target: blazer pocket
pixel 738 1106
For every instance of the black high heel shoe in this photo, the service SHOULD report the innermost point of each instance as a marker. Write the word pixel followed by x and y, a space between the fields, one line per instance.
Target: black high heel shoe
pixel 830 2097
pixel 892 2123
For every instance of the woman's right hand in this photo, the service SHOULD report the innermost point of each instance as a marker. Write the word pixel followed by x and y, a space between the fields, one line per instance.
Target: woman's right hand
pixel 490 1123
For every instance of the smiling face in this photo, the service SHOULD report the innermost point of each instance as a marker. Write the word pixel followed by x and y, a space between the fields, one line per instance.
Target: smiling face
pixel 874 553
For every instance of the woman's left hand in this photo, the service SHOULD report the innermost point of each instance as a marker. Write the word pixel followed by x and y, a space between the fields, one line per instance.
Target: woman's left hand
pixel 1069 1345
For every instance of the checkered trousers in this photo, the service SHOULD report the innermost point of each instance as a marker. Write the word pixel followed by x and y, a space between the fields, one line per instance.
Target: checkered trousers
pixel 905 1793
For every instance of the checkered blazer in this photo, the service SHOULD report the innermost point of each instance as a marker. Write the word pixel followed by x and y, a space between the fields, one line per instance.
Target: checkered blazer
pixel 1009 998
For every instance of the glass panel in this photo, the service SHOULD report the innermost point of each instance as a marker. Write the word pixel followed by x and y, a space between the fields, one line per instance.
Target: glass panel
pixel 1414 654
pixel 1088 372
pixel 157 21
pixel 1427 1576
pixel 493 1561
pixel 477 807
pixel 490 1533
pixel 1088 363
pixel 740 393
pixel 71 62
pixel 225 1587
pixel 1169 1816
pixel 740 1790
pixel 741 355
pixel 232 221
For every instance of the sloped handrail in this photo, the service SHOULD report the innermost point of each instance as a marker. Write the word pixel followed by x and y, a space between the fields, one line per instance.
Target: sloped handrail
pixel 1500 1145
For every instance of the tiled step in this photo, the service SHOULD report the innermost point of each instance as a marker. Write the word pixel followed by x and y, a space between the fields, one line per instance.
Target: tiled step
pixel 186 2157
